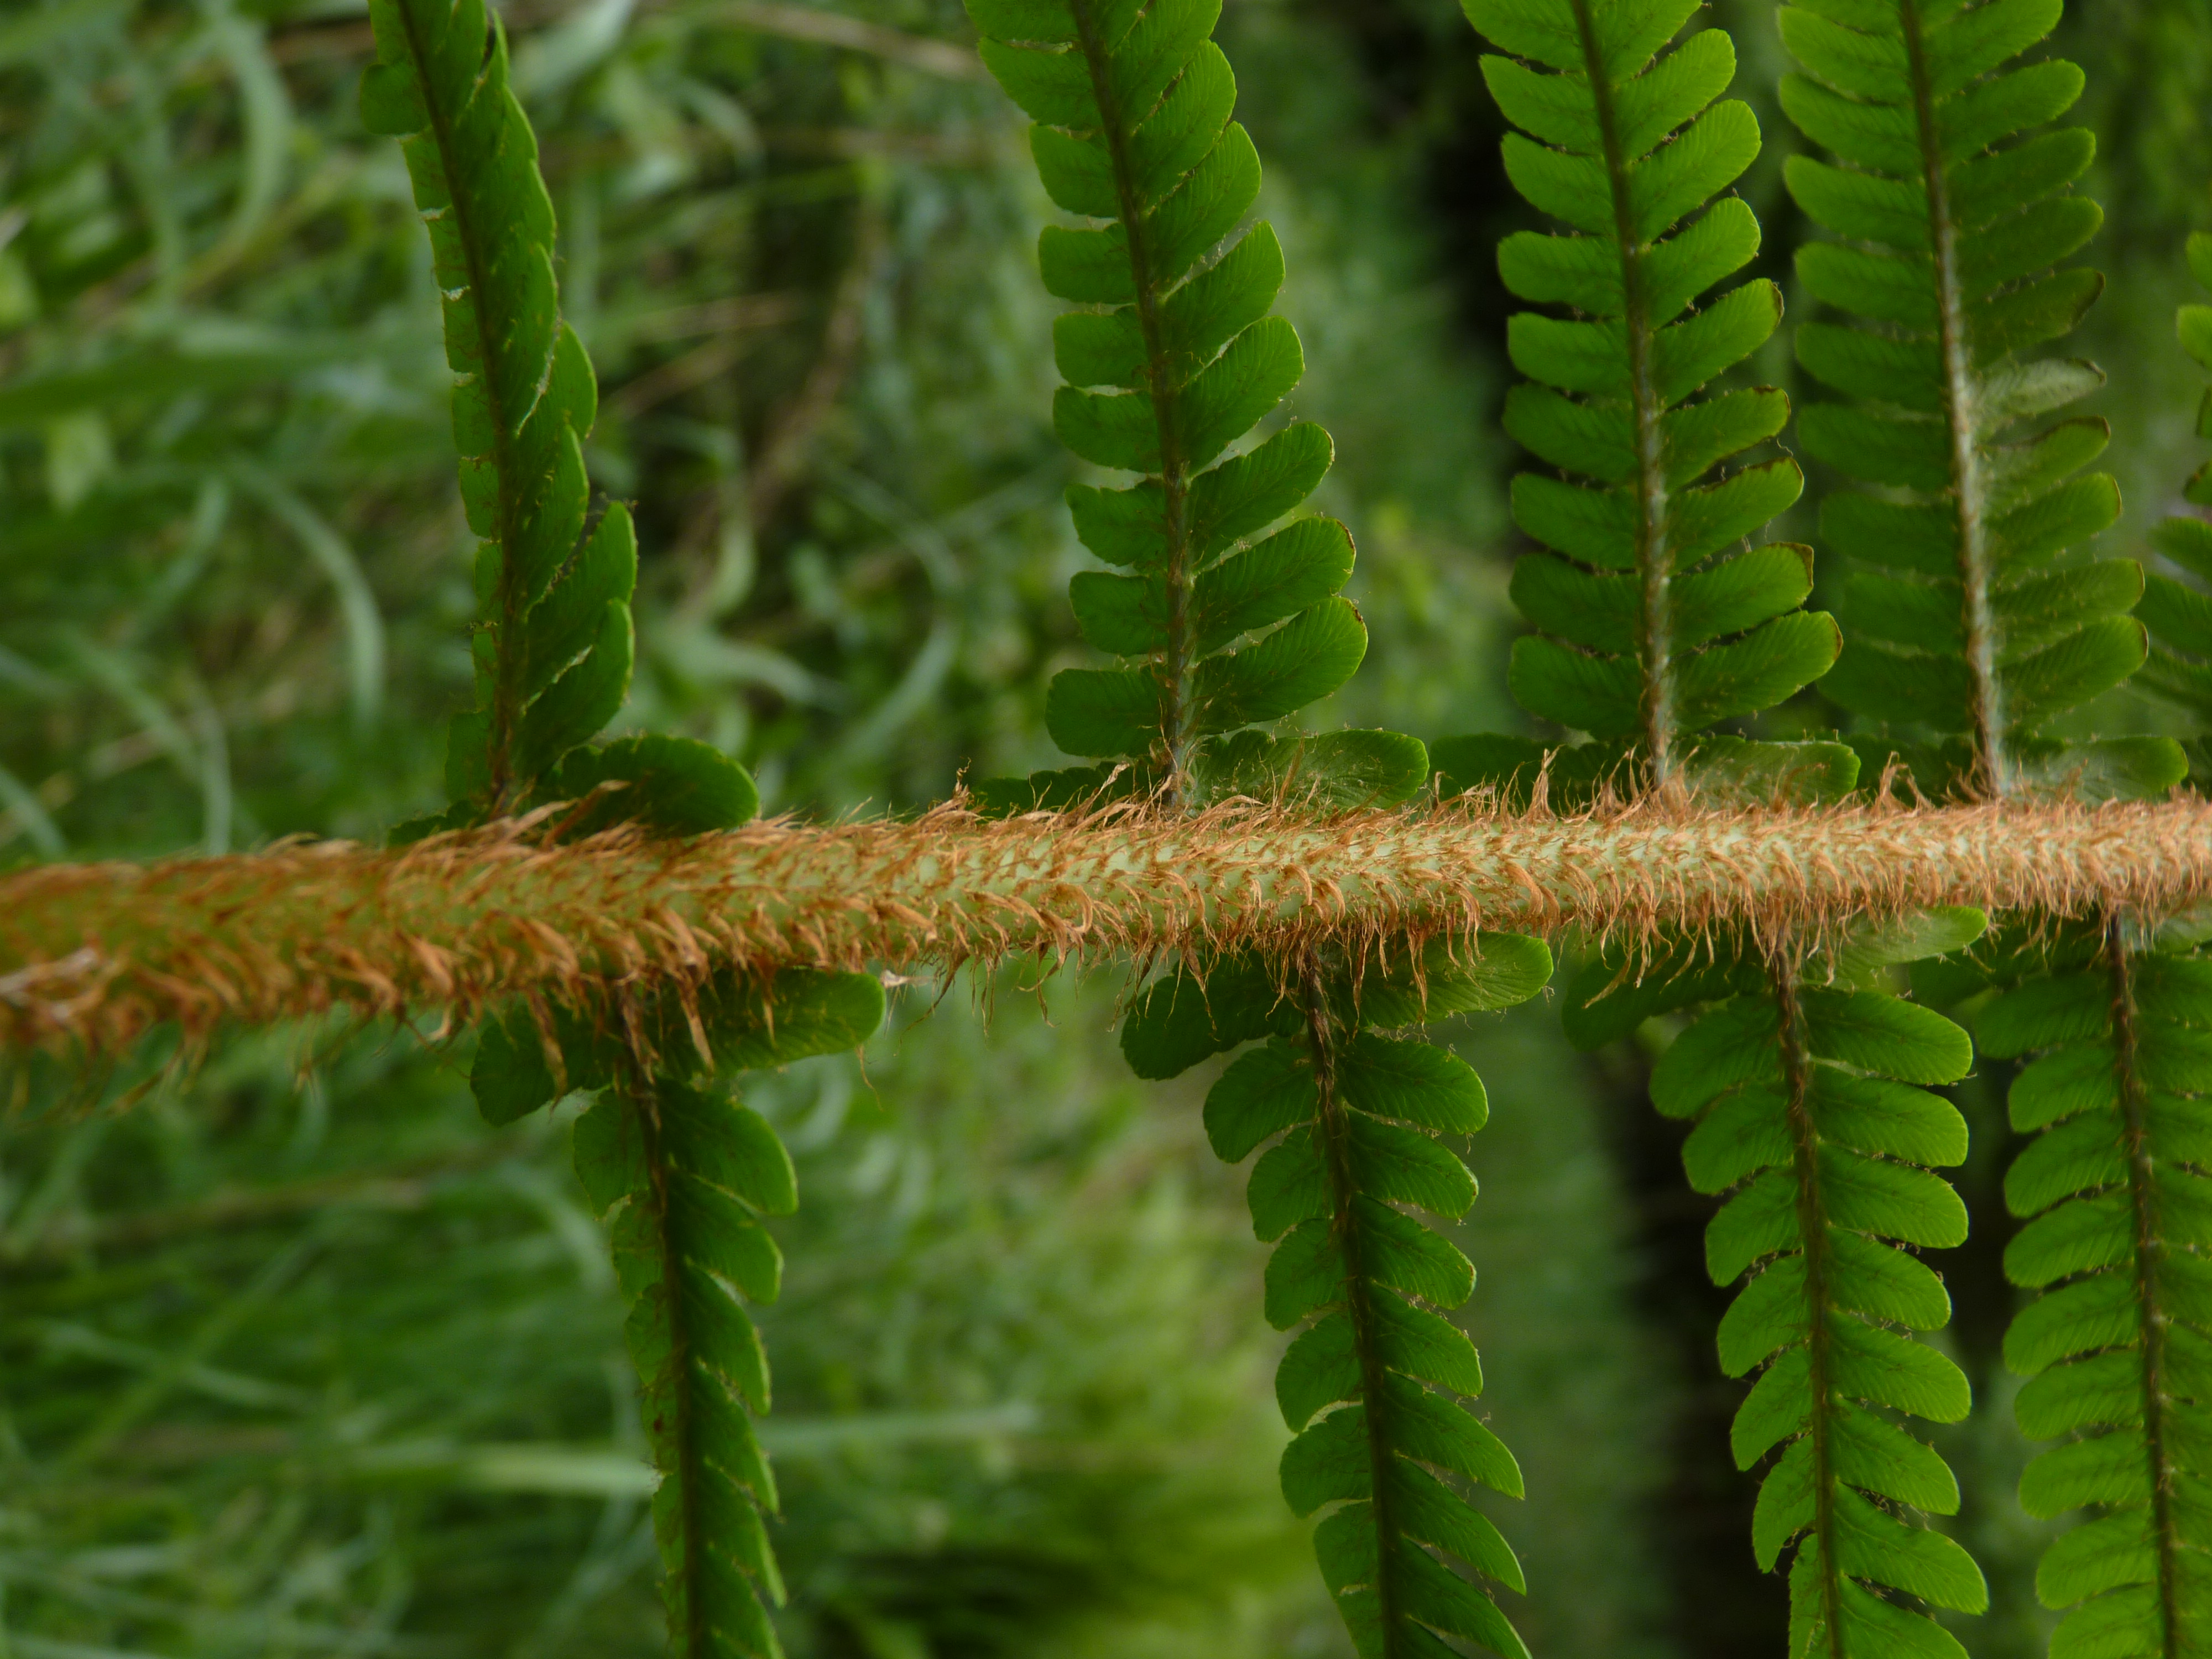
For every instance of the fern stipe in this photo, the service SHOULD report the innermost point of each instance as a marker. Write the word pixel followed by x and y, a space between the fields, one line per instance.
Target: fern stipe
pixel 1972 629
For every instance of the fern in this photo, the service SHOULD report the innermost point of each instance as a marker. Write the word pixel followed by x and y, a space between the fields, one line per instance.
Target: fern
pixel 1132 104
pixel 1983 632
pixel 2116 1346
pixel 2115 1227
pixel 1657 619
pixel 1367 1388
pixel 1803 1112
pixel 680 1175
pixel 553 654
pixel 1663 623
pixel 2180 615
pixel 1972 624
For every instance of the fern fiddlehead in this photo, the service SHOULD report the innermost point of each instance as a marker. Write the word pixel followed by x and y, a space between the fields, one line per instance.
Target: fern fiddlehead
pixel 1968 624
pixel 1132 102
pixel 1657 619
pixel 680 1173
pixel 1799 1087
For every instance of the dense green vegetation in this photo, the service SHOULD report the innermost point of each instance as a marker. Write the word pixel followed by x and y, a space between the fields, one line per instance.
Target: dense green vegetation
pixel 298 1355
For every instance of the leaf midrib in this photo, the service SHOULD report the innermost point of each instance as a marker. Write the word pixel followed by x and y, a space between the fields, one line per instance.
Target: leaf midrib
pixel 1653 555
pixel 1174 667
pixel 1334 1134
pixel 1978 616
pixel 1813 1230
pixel 644 1103
pixel 2143 1215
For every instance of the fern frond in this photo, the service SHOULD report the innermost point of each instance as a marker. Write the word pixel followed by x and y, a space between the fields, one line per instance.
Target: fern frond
pixel 2117 1344
pixel 1370 1387
pixel 1175 359
pixel 1805 1112
pixel 682 1177
pixel 1657 618
pixel 1968 620
pixel 554 651
pixel 2179 614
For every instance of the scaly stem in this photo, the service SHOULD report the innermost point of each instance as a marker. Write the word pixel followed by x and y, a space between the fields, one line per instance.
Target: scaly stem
pixel 1335 1135
pixel 506 711
pixel 97 954
pixel 1174 666
pixel 1813 1229
pixel 1977 619
pixel 2143 1202
pixel 1654 556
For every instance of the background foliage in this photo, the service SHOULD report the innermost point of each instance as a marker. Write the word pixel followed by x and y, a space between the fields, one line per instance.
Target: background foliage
pixel 304 1359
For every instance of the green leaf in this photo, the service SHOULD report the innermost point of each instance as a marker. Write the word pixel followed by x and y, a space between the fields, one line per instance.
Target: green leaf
pixel 1356 1385
pixel 1306 659
pixel 1299 565
pixel 1495 970
pixel 1198 362
pixel 1331 771
pixel 1248 492
pixel 804 1011
pixel 671 785
pixel 1613 381
pixel 678 1178
pixel 1113 712
pixel 1820 1145
pixel 565 624
pixel 524 393
pixel 585 698
pixel 1267 1090
pixel 509 1077
pixel 1428 1087
pixel 1885 1035
pixel 1937 221
pixel 1185 1016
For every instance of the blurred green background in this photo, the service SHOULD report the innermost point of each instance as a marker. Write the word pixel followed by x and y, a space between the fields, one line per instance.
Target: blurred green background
pixel 296 1356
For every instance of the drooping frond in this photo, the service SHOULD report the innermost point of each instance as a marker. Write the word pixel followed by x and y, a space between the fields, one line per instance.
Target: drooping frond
pixel 1175 358
pixel 554 648
pixel 1969 620
pixel 1805 1113
pixel 2179 614
pixel 2118 1346
pixel 1372 1384
pixel 1658 617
